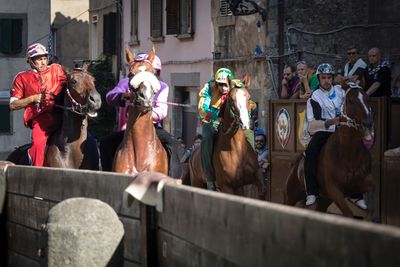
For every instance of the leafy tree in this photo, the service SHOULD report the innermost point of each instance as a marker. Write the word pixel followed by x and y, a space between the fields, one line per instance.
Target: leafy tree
pixel 105 121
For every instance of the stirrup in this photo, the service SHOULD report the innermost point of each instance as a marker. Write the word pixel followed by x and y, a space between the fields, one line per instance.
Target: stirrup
pixel 211 186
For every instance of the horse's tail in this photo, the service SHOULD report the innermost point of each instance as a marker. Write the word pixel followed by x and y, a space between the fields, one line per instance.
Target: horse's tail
pixel 293 190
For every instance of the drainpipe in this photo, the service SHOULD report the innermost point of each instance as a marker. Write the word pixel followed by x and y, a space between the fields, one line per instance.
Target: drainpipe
pixel 281 39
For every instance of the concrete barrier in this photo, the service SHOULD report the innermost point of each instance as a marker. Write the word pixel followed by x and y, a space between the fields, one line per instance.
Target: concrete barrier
pixel 84 232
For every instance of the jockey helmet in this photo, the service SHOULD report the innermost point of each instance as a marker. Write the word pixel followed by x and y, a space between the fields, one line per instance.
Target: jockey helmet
pixel 156 61
pixel 222 74
pixel 35 50
pixel 325 68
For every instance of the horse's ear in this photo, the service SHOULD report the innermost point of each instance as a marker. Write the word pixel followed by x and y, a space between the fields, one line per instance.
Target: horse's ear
pixel 152 54
pixel 65 69
pixel 85 67
pixel 130 57
pixel 246 80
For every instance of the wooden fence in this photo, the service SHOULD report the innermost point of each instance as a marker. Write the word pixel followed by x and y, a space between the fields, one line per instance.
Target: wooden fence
pixel 195 228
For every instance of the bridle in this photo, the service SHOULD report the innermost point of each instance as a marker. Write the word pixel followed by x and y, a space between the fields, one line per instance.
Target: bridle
pixel 76 107
pixel 237 122
pixel 351 123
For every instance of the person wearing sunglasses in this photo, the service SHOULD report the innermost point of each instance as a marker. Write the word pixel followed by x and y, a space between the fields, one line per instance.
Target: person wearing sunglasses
pixel 261 147
pixel 354 68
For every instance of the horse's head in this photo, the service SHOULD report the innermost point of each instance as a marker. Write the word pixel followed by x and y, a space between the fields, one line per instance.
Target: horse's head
pixel 357 110
pixel 239 103
pixel 81 92
pixel 142 81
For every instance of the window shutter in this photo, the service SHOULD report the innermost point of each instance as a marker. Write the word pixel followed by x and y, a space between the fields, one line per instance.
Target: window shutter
pixel 5 125
pixel 109 34
pixel 11 36
pixel 186 16
pixel 156 18
pixel 172 16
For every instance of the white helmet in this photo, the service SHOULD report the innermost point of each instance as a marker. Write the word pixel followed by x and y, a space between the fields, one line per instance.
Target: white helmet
pixel 35 50
pixel 325 68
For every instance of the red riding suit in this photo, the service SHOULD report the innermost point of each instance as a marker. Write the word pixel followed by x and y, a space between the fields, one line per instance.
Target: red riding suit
pixel 39 117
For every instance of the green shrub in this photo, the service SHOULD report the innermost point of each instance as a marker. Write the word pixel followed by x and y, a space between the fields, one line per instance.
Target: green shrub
pixel 105 122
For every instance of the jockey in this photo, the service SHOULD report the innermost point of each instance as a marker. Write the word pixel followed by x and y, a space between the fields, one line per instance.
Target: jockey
pixel 212 97
pixel 324 108
pixel 323 114
pixel 34 90
pixel 117 97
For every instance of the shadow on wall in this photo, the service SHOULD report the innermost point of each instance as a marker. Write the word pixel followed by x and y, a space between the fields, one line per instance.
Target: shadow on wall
pixel 71 39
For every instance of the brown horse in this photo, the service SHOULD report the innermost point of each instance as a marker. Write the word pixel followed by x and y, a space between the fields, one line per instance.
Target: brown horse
pixel 235 161
pixel 70 147
pixel 141 149
pixel 344 163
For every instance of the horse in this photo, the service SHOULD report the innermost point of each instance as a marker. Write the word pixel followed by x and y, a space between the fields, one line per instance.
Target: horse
pixel 235 161
pixel 69 146
pixel 141 149
pixel 344 162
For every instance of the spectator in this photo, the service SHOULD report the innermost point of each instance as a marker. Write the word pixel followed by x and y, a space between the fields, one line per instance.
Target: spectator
pixel 308 79
pixel 290 83
pixel 354 69
pixel 377 75
pixel 188 151
pixel 261 149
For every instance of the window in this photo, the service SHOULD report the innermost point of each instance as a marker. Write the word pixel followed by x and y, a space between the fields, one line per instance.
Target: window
pixel 110 34
pixel 13 34
pixel 134 23
pixel 224 9
pixel 156 19
pixel 180 17
pixel 5 125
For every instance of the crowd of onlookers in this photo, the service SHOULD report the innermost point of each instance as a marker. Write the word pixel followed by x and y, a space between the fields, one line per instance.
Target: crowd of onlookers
pixel 300 81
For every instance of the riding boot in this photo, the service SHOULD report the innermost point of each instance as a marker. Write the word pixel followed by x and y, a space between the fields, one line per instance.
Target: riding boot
pixel 206 148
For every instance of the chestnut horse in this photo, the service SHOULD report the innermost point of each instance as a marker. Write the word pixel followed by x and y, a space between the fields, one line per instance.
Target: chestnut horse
pixel 69 147
pixel 344 162
pixel 235 161
pixel 141 149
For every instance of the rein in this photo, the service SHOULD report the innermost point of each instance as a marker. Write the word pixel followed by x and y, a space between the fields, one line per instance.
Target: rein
pixel 351 123
pixel 76 107
pixel 236 120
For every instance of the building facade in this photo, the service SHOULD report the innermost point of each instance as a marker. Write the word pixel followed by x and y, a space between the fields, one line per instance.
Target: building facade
pixel 21 23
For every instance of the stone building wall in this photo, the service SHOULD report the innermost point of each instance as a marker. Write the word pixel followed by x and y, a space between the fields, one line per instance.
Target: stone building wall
pixel 313 30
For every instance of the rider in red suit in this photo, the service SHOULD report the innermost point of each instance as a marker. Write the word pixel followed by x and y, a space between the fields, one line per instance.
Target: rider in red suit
pixel 34 90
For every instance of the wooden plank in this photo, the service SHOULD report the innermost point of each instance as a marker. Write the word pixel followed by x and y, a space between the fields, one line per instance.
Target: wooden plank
pixel 390 191
pixel 249 232
pixel 132 239
pixel 27 211
pixel 59 184
pixel 131 264
pixel 17 260
pixel 23 240
pixel 174 251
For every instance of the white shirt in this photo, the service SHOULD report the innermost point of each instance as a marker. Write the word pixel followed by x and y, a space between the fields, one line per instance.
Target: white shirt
pixel 325 105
